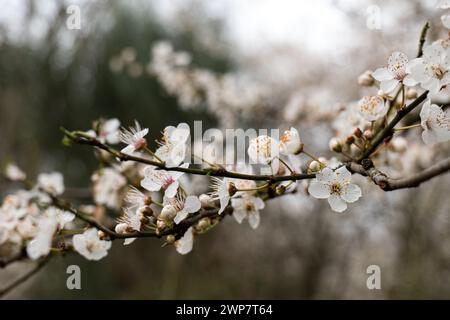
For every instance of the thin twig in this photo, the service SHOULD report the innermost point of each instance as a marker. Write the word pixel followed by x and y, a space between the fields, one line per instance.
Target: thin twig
pixel 79 138
pixel 25 276
pixel 387 131
pixel 423 36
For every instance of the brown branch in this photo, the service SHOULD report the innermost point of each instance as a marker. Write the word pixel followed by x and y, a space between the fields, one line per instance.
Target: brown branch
pixel 25 276
pixel 67 206
pixel 388 184
pixel 388 130
pixel 176 229
pixel 82 138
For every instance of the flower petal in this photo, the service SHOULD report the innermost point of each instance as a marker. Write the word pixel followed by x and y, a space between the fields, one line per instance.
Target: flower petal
pixel 192 204
pixel 326 175
pixel 224 200
pixel 258 203
pixel 128 150
pixel 446 20
pixel 382 74
pixel 409 81
pixel 351 192
pixel 343 175
pixel 128 241
pixel 184 244
pixel 336 203
pixel 181 215
pixel 388 85
pixel 254 219
pixel 171 190
pixel 319 190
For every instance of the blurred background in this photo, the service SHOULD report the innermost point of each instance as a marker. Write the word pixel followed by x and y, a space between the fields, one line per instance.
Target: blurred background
pixel 274 64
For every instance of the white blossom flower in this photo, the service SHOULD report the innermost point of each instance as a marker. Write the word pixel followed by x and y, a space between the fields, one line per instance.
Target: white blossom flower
pixel 446 20
pixel 89 245
pixel 173 148
pixel 185 243
pixel 41 244
pixel 248 207
pixel 335 186
pixel 366 79
pixel 61 217
pixel 28 227
pixel 135 219
pixel 108 184
pixel 14 173
pixel 395 73
pixel 435 122
pixel 135 199
pixel 51 182
pixel 11 211
pixel 445 4
pixel 155 180
pixel 182 207
pixel 348 117
pixel 15 213
pixel 263 149
pixel 109 131
pixel 137 207
pixel 432 70
pixel 372 108
pixel 223 190
pixel 134 138
pixel 168 212
pixel 290 142
pixel 125 227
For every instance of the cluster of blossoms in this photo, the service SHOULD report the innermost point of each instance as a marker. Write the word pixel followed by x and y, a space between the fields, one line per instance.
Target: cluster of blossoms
pixel 225 96
pixel 398 83
pixel 29 222
pixel 148 189
pixel 32 220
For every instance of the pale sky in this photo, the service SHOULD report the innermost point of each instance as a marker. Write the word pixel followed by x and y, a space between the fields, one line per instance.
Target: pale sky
pixel 255 23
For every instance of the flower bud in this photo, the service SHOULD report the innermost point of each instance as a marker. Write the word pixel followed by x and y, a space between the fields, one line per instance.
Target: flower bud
pixel 147 200
pixel 399 144
pixel 366 79
pixel 290 142
pixel 368 134
pixel 314 166
pixel 143 220
pixel 170 239
pixel 160 224
pixel 280 190
pixel 203 223
pixel 350 140
pixel 168 212
pixel 206 201
pixel 232 189
pixel 411 94
pixel 357 132
pixel 335 145
pixel 121 228
pixel 102 235
pixel 146 211
pixel 354 149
